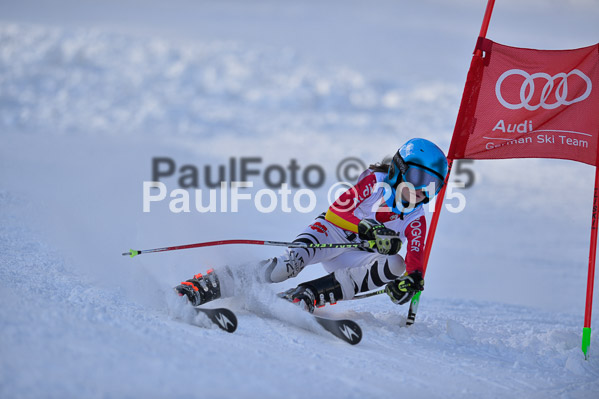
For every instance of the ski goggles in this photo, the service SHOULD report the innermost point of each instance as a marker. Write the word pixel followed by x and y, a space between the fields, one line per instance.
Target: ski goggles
pixel 419 176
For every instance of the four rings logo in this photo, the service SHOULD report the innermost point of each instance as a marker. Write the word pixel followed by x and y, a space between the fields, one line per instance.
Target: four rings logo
pixel 527 89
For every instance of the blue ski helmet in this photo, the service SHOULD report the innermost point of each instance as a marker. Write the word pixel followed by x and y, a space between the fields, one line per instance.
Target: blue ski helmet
pixel 420 163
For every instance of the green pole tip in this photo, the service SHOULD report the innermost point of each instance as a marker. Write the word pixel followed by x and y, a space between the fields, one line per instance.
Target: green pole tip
pixel 133 252
pixel 416 299
pixel 372 243
pixel 586 341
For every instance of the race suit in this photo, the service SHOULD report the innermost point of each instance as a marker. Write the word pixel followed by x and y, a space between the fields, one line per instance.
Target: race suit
pixel 356 269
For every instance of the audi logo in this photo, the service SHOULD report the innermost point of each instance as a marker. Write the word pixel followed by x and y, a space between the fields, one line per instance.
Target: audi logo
pixel 527 90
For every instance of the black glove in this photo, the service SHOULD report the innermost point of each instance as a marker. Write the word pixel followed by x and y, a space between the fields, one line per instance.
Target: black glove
pixel 387 241
pixel 403 289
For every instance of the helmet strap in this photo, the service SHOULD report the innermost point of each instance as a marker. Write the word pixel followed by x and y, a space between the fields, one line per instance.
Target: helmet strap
pixel 401 164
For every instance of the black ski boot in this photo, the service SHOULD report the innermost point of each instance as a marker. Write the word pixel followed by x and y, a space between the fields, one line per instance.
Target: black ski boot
pixel 200 289
pixel 315 293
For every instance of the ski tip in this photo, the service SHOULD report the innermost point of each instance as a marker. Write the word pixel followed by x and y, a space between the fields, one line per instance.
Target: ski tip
pixel 352 333
pixel 346 330
pixel 224 318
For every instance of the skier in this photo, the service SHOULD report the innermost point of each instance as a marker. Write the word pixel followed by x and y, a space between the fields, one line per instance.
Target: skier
pixel 384 206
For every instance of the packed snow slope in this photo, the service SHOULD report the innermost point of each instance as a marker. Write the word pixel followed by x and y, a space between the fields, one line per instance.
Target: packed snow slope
pixel 83 111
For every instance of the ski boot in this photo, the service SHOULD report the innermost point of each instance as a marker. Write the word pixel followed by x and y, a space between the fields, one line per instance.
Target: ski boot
pixel 315 293
pixel 200 289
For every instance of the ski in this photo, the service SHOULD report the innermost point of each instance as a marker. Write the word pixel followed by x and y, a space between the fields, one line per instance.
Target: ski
pixel 346 330
pixel 222 317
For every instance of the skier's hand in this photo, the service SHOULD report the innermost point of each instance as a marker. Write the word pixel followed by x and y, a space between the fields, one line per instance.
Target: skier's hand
pixel 403 289
pixel 387 241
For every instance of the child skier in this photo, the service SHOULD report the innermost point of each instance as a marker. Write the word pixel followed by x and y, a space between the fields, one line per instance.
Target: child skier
pixel 384 206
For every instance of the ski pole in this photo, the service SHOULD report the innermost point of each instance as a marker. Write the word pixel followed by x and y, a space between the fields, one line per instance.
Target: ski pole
pixel 363 244
pixel 369 294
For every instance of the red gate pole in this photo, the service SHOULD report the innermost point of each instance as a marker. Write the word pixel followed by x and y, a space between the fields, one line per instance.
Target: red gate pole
pixel 438 207
pixel 586 330
pixel 487 18
pixel 439 204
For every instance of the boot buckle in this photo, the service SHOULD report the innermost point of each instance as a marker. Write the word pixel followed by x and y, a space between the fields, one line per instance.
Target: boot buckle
pixel 332 300
pixel 321 300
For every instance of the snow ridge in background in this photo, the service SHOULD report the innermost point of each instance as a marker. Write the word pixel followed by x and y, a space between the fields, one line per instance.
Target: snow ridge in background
pixel 95 82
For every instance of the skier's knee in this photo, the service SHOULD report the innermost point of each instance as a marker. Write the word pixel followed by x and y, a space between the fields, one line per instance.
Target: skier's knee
pixel 270 272
pixel 283 267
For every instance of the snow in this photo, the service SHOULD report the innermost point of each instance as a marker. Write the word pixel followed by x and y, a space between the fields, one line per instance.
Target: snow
pixel 90 93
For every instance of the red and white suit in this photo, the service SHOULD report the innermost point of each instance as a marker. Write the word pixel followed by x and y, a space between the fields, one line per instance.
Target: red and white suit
pixel 357 270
